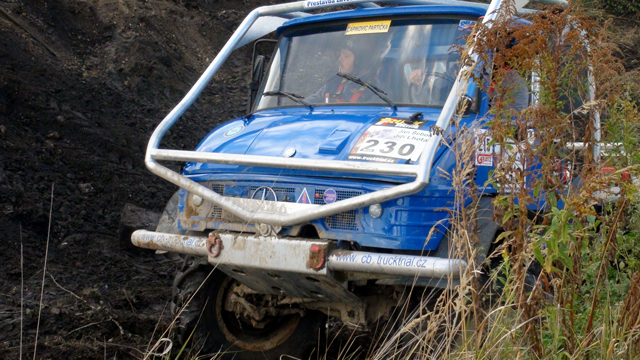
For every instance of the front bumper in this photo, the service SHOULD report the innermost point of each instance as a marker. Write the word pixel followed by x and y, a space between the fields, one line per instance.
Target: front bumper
pixel 304 269
pixel 314 257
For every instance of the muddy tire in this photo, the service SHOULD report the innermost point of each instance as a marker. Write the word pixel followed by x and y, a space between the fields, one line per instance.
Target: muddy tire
pixel 204 324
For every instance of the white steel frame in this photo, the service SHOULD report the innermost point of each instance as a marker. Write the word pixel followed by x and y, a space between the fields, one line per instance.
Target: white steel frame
pixel 421 171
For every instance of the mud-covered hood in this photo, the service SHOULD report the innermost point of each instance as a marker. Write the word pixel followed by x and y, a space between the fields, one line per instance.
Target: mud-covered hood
pixel 327 134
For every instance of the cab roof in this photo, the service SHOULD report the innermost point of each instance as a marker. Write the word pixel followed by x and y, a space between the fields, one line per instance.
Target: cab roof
pixel 473 11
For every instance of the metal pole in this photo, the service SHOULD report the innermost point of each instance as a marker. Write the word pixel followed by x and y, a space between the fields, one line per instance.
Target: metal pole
pixel 392 264
pixel 444 120
pixel 337 260
pixel 292 163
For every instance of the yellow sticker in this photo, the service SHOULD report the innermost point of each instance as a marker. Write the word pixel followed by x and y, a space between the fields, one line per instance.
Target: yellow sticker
pixel 369 27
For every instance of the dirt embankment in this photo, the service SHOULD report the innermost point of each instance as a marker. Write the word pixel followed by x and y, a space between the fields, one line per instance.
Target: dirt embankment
pixel 83 83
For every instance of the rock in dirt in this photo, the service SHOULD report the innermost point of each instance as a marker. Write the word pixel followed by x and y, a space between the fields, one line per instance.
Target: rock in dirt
pixel 86 188
pixel 135 218
pixel 53 104
pixel 7 208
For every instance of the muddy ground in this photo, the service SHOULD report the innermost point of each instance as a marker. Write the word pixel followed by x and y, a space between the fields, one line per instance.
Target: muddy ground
pixel 83 83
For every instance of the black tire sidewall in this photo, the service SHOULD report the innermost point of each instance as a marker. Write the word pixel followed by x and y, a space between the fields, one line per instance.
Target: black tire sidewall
pixel 200 329
pixel 209 336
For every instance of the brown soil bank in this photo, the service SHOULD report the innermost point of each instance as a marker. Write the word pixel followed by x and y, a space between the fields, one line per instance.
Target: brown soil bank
pixel 83 83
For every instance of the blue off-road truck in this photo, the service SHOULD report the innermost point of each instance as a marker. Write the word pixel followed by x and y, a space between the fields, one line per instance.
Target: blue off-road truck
pixel 327 198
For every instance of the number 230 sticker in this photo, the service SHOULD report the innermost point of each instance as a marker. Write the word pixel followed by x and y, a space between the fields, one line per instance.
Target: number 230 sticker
pixel 388 148
pixel 391 139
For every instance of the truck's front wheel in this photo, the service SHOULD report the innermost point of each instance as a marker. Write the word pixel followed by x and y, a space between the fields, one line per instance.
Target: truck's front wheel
pixel 204 322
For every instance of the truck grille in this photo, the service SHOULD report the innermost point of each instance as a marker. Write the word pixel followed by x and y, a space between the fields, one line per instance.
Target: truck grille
pixel 344 221
pixel 216 212
pixel 283 193
pixel 341 195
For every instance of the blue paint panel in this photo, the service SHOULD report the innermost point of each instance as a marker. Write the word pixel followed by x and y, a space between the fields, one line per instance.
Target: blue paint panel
pixel 329 132
pixel 335 142
pixel 272 131
pixel 405 223
pixel 470 11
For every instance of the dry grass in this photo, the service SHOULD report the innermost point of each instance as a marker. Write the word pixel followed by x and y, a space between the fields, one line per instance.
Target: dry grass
pixel 44 274
pixel 563 280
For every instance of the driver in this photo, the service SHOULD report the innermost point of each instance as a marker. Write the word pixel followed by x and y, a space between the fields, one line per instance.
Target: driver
pixel 340 90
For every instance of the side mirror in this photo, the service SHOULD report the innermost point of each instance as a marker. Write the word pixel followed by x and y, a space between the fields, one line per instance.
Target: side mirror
pixel 258 63
pixel 463 107
pixel 257 73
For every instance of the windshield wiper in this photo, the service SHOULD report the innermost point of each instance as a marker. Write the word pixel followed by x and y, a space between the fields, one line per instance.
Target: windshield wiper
pixel 381 94
pixel 294 97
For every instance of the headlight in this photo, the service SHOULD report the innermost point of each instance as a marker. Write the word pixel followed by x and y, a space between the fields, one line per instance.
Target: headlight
pixel 375 211
pixel 196 200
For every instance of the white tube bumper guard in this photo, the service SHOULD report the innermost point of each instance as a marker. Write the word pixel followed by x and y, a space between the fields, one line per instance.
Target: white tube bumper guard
pixel 304 256
pixel 295 215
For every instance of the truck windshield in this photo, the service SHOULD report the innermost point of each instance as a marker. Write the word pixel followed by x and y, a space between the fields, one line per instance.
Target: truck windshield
pixel 411 60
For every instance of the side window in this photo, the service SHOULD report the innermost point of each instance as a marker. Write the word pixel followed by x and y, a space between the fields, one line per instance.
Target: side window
pixel 514 87
pixel 273 81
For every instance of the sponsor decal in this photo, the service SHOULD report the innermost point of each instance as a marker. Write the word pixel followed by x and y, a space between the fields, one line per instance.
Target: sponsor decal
pixel 234 130
pixel 484 149
pixel 508 159
pixel 484 159
pixel 304 197
pixel 400 123
pixel 316 3
pixel 511 163
pixel 330 196
pixel 466 25
pixel 391 139
pixel 385 260
pixel 369 27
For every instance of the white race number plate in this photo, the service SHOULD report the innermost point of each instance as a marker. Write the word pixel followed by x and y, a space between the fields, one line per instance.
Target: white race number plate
pixel 391 139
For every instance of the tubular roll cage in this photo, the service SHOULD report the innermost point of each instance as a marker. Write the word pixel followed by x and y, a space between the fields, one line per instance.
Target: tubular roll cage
pixel 250 212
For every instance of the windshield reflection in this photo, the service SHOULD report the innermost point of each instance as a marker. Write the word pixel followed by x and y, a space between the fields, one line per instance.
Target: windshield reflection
pixel 411 61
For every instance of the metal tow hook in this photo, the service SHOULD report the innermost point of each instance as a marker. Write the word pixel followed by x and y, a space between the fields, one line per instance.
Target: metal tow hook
pixel 214 245
pixel 317 256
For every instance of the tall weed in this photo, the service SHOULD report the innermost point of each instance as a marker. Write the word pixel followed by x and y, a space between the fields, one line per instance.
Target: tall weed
pixel 562 279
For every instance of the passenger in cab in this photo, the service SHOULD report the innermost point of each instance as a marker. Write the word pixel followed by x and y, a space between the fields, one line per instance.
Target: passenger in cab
pixel 341 90
pixel 430 88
